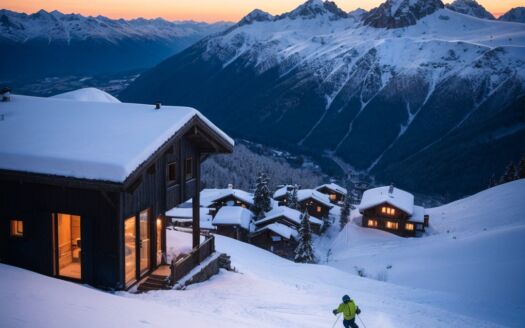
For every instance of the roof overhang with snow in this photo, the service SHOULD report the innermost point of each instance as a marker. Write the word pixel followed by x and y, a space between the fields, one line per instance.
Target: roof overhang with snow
pixel 397 198
pixel 333 187
pixel 95 140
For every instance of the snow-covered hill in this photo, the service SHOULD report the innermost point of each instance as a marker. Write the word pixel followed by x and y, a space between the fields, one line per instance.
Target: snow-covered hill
pixel 73 44
pixel 88 94
pixel 514 15
pixel 470 7
pixel 473 250
pixel 442 89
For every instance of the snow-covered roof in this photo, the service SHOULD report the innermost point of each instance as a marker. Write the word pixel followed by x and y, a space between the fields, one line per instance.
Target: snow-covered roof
pixel 280 229
pixel 187 213
pixel 398 198
pixel 289 213
pixel 334 187
pixel 88 94
pixel 281 191
pixel 233 215
pixel 86 139
pixel 210 196
pixel 418 215
pixel 314 194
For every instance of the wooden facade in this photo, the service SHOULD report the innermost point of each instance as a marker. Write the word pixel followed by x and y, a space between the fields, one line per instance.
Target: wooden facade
pixel 394 220
pixel 334 195
pixel 314 207
pixel 110 234
pixel 234 231
pixel 230 200
pixel 269 240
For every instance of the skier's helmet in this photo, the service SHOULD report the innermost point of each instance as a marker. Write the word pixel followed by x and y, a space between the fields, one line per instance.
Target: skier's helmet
pixel 346 298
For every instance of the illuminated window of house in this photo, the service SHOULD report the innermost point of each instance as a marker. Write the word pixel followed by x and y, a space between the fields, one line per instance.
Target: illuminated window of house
pixel 391 225
pixel 172 172
pixel 388 210
pixel 333 197
pixel 189 168
pixel 318 209
pixel 372 223
pixel 409 226
pixel 17 228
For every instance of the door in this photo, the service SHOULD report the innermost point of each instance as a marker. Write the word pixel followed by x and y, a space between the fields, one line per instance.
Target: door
pixel 159 240
pixel 130 250
pixel 144 242
pixel 68 245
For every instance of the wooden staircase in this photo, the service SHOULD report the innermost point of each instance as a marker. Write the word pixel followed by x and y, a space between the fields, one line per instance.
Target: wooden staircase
pixel 154 282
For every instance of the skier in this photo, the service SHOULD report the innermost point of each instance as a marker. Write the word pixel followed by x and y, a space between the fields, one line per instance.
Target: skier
pixel 349 310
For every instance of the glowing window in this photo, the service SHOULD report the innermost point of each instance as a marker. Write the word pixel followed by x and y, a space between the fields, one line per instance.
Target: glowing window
pixel 318 209
pixel 391 225
pixel 388 210
pixel 17 228
pixel 409 226
pixel 372 223
pixel 333 197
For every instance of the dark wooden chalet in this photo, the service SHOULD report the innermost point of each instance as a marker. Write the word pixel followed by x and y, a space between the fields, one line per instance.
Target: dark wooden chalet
pixel 393 210
pixel 317 204
pixel 290 218
pixel 217 198
pixel 84 186
pixel 335 193
pixel 276 237
pixel 234 222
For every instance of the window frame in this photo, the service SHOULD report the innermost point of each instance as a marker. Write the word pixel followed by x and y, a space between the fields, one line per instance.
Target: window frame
pixel 395 224
pixel 168 172
pixel 413 226
pixel 188 174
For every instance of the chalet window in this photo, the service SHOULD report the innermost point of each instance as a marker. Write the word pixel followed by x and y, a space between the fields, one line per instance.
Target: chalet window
pixel 372 223
pixel 319 209
pixel 388 210
pixel 17 228
pixel 172 172
pixel 333 197
pixel 391 225
pixel 189 168
pixel 409 226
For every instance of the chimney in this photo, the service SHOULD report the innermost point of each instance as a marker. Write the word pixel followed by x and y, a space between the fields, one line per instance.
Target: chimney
pixel 157 105
pixel 426 220
pixel 5 94
pixel 230 185
pixel 391 188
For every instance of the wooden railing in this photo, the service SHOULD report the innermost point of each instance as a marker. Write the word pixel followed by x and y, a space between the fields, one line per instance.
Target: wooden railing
pixel 183 266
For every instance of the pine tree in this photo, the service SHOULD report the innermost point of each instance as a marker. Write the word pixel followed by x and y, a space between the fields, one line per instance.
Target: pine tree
pixel 510 173
pixel 345 211
pixel 291 200
pixel 304 252
pixel 521 169
pixel 261 198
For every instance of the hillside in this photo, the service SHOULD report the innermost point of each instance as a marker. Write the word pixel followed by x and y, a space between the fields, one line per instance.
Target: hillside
pixel 435 95
pixel 69 44
pixel 473 251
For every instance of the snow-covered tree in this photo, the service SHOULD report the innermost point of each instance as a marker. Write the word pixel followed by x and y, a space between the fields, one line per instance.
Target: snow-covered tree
pixel 304 252
pixel 521 169
pixel 291 198
pixel 262 201
pixel 510 173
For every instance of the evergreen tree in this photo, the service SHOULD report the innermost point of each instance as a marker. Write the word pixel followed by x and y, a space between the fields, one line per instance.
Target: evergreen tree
pixel 261 198
pixel 345 211
pixel 291 200
pixel 521 169
pixel 304 252
pixel 510 173
pixel 493 182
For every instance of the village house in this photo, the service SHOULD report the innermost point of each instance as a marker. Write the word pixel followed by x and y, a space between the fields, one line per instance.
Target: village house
pixel 276 237
pixel 84 186
pixel 234 222
pixel 217 198
pixel 317 204
pixel 289 217
pixel 335 192
pixel 183 217
pixel 393 210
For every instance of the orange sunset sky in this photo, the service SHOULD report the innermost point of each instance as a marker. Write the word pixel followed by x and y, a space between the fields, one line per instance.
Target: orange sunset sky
pixel 199 10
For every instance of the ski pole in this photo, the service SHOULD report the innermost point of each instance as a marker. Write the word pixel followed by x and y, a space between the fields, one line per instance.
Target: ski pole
pixel 338 316
pixel 364 326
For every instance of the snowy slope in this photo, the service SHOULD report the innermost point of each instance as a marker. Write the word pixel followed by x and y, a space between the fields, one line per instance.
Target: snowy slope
pixel 470 7
pixel 268 291
pixel 88 94
pixel 514 15
pixel 473 251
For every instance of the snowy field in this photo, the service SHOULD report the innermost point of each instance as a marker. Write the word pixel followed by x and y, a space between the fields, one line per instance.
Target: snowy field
pixel 472 280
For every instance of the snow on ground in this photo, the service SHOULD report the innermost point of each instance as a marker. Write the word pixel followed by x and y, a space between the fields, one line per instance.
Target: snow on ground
pixel 420 290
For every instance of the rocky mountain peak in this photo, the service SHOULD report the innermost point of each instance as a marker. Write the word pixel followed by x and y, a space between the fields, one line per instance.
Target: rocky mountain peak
pixel 514 15
pixel 315 8
pixel 401 13
pixel 256 15
pixel 470 7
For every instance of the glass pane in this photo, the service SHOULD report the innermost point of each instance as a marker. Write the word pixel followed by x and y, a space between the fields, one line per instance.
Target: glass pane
pixel 145 242
pixel 130 250
pixel 69 246
pixel 159 241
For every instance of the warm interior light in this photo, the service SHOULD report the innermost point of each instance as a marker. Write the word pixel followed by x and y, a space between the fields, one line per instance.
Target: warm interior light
pixel 391 225
pixel 318 209
pixel 17 228
pixel 333 197
pixel 409 226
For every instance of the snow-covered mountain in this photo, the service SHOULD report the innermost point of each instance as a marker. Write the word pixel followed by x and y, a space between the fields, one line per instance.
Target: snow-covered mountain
pixel 412 93
pixel 90 43
pixel 514 15
pixel 470 7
